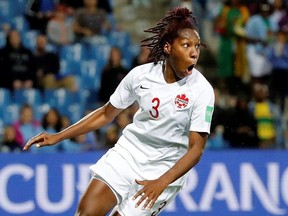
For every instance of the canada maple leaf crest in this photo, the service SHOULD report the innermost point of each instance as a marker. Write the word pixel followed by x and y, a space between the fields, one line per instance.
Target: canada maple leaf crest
pixel 181 101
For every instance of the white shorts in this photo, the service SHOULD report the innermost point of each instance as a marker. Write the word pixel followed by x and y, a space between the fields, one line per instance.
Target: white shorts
pixel 114 170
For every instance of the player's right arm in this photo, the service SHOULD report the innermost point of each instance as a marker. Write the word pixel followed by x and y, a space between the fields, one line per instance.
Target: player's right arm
pixel 90 122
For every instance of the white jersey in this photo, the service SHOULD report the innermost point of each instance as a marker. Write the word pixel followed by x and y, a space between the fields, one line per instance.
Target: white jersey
pixel 159 134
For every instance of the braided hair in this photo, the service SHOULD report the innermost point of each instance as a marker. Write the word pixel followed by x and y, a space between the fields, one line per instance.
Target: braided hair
pixel 166 30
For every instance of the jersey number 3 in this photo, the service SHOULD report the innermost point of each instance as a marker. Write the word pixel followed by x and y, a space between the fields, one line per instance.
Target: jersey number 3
pixel 155 112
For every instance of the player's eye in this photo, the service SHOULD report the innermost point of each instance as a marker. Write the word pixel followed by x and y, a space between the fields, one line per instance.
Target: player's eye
pixel 186 45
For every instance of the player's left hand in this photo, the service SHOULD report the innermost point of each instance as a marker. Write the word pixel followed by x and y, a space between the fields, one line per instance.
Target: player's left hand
pixel 149 193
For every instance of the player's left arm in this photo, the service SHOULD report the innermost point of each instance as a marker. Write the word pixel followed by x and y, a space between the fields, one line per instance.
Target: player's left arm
pixel 153 188
pixel 197 143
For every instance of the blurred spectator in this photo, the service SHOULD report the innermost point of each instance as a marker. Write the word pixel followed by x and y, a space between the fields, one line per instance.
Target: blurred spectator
pixel 27 125
pixel 231 51
pixel 259 32
pixel 185 3
pixel 283 21
pixel 133 109
pixel 16 63
pixel 88 143
pixel 60 27
pixel 216 140
pixel 213 8
pixel 269 118
pixel 111 136
pixel 240 126
pixel 75 4
pixel 51 123
pixel 90 23
pixel 91 138
pixel 9 142
pixel 140 3
pixel 105 5
pixel 75 144
pixel 122 120
pixel 253 6
pixel 197 6
pixel 278 56
pixel 65 121
pixel 278 11
pixel 142 57
pixel 39 12
pixel 113 131
pixel 112 75
pixel 47 68
pixel 5 26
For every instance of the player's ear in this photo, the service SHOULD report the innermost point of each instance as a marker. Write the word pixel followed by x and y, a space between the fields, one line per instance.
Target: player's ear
pixel 167 48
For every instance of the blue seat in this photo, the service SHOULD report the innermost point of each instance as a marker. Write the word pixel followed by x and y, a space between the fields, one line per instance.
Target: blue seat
pixel 20 23
pixel 10 113
pixel 5 97
pixel 112 20
pixel 5 102
pixel 6 10
pixel 100 53
pixel 10 9
pixel 90 74
pixel 2 39
pixel 70 104
pixel 29 96
pixel 29 38
pixel 61 99
pixel 120 39
pixel 75 52
pixel 128 55
pixel 64 67
pixel 69 67
pixel 2 126
pixel 19 7
pixel 40 110
pixel 57 97
pixel 75 112
pixel 91 98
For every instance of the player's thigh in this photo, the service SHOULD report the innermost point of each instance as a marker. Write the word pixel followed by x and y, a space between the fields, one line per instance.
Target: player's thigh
pixel 127 207
pixel 97 200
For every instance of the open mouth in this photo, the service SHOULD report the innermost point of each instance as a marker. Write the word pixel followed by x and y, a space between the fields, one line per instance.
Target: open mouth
pixel 190 68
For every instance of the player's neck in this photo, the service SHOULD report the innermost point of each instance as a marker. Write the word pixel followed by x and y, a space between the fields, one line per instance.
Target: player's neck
pixel 169 74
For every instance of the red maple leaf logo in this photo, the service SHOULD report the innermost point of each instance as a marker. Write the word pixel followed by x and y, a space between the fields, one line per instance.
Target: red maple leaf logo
pixel 181 101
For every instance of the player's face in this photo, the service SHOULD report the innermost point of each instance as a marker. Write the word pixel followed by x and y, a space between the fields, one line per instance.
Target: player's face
pixel 183 53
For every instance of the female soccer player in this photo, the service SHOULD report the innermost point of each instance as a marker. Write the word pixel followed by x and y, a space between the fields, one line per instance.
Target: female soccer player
pixel 147 167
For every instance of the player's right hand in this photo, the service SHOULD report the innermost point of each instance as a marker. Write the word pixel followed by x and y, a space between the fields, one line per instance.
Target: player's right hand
pixel 40 140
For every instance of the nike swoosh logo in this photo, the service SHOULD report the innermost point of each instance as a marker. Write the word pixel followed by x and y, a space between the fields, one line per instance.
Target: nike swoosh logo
pixel 142 87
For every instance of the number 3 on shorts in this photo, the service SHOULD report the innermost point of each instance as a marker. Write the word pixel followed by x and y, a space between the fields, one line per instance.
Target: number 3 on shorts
pixel 162 205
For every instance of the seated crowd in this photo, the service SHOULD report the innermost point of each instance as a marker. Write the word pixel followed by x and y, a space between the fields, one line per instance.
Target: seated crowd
pixel 59 67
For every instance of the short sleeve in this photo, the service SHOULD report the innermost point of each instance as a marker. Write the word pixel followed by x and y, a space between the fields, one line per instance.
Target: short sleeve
pixel 124 95
pixel 203 111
